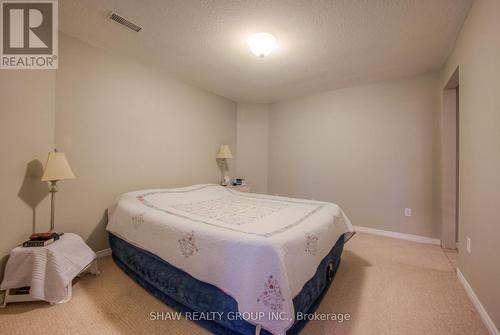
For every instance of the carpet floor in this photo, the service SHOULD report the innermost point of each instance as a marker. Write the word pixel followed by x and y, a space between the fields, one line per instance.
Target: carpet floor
pixel 387 286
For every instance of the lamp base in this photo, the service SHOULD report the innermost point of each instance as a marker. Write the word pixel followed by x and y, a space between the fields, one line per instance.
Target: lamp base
pixel 53 191
pixel 225 181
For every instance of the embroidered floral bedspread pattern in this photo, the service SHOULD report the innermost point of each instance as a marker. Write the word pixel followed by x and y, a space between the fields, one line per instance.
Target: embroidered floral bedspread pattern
pixel 187 244
pixel 271 296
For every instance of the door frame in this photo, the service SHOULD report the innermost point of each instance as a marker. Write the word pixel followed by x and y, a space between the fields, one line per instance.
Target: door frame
pixel 450 119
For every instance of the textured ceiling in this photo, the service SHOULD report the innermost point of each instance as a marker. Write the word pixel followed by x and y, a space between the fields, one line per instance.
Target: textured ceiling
pixel 322 44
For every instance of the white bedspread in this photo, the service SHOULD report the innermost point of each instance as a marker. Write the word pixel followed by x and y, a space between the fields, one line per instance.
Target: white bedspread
pixel 259 249
pixel 47 270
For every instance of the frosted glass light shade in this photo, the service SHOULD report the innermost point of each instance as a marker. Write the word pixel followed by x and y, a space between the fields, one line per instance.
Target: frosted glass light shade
pixel 57 167
pixel 224 152
pixel 262 44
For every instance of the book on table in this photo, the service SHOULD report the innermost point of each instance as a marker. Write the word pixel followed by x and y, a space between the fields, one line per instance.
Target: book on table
pixel 30 243
pixel 41 239
pixel 44 236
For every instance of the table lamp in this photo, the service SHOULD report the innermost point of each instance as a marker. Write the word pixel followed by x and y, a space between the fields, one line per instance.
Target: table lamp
pixel 57 168
pixel 223 154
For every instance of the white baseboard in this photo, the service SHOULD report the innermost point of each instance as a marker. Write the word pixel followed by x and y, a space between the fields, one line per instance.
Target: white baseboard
pixel 401 236
pixel 477 304
pixel 103 253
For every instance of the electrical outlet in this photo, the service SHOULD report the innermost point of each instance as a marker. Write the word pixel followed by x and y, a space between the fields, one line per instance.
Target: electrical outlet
pixel 407 211
pixel 468 245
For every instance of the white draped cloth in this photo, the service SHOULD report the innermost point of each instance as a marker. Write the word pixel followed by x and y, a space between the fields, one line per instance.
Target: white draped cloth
pixel 47 270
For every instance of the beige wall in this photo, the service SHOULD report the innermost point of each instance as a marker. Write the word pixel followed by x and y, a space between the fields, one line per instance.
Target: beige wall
pixel 26 135
pixel 477 54
pixel 252 145
pixel 124 126
pixel 371 149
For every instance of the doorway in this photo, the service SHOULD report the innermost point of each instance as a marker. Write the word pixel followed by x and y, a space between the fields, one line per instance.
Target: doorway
pixel 450 162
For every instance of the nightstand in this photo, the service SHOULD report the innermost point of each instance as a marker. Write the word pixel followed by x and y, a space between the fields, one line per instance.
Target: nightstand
pixel 46 273
pixel 240 188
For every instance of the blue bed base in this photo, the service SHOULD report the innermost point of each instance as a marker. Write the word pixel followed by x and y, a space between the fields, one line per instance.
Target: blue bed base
pixel 184 293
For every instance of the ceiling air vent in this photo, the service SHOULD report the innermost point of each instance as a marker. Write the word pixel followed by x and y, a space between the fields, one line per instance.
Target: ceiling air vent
pixel 123 21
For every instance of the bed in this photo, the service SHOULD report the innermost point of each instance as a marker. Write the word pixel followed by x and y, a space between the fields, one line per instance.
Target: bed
pixel 257 260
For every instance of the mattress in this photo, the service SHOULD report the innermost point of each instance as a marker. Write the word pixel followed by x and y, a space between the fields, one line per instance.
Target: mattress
pixel 189 296
pixel 260 250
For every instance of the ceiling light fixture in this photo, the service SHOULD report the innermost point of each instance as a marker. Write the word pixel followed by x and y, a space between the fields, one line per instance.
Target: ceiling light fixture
pixel 262 44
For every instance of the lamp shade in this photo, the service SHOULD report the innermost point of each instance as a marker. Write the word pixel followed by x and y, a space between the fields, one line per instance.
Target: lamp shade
pixel 224 152
pixel 57 167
